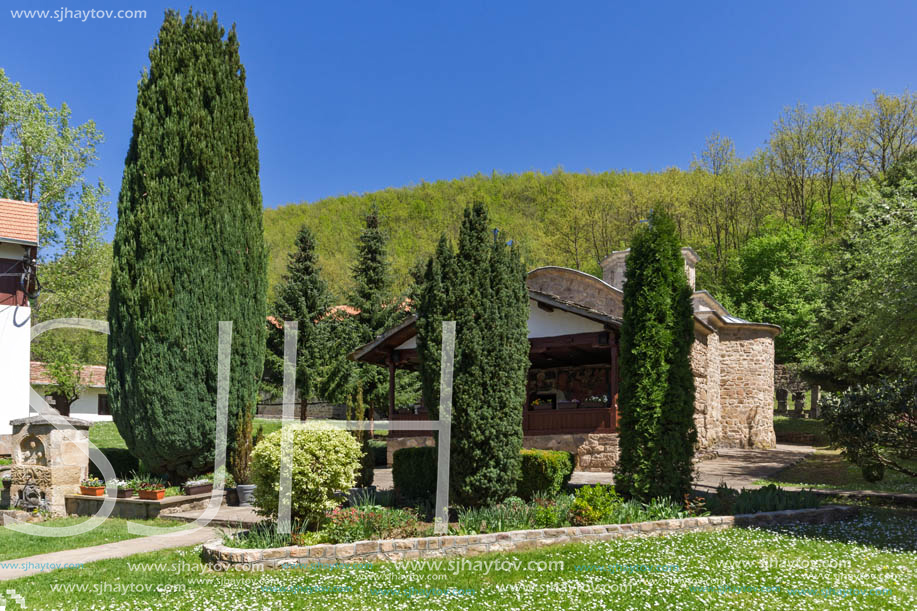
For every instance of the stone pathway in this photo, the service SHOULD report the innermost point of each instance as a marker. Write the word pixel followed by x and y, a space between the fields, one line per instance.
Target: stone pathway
pixel 227 515
pixel 737 467
pixel 119 549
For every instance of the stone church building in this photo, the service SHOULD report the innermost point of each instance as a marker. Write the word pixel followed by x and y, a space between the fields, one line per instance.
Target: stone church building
pixel 574 332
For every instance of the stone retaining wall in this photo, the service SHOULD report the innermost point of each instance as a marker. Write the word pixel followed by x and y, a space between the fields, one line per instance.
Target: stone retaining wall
pixel 470 545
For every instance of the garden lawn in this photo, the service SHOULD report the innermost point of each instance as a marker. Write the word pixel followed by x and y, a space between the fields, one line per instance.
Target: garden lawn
pixel 876 551
pixel 18 545
pixel 782 424
pixel 826 469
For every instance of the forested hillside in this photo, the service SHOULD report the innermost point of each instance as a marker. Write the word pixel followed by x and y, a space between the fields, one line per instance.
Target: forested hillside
pixel 805 180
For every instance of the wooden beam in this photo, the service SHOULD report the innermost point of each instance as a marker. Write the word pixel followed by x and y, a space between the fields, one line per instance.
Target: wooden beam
pixel 391 389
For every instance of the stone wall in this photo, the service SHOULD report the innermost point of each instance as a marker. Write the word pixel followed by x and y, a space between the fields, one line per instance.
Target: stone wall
pixel 746 387
pixel 388 550
pixel 394 444
pixel 594 452
pixel 705 365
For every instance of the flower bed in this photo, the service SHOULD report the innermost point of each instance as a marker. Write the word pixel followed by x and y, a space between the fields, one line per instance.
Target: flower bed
pixel 468 545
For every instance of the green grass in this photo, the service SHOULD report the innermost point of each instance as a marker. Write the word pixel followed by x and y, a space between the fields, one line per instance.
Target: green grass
pixel 826 469
pixel 18 545
pixel 105 434
pixel 6 461
pixel 782 424
pixel 876 550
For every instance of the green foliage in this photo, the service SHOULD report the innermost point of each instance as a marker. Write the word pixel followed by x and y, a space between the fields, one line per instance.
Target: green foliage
pixel 379 450
pixel 239 460
pixel 325 460
pixel 188 250
pixel 482 288
pixel 367 465
pixel 777 278
pixel 727 501
pixel 593 504
pixel 544 473
pixel 44 158
pixel 301 296
pixel 414 472
pixel 361 386
pixel 869 322
pixel 369 522
pixel 656 397
pixel 122 462
pixel 265 535
pixel 875 426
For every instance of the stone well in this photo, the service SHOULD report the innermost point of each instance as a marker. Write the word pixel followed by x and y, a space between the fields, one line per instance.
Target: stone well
pixel 50 457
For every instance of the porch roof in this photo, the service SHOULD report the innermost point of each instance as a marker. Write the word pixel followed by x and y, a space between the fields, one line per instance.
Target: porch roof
pixel 379 350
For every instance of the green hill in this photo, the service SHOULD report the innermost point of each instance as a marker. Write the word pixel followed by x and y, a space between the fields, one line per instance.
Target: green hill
pixel 558 219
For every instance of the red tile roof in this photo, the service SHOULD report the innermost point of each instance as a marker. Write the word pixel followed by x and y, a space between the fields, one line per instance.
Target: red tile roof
pixel 18 222
pixel 92 376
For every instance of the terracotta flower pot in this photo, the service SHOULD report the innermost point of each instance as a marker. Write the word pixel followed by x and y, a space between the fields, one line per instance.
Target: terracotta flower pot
pixel 92 490
pixel 152 495
pixel 121 494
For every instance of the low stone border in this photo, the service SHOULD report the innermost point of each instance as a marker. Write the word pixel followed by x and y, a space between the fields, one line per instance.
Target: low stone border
pixel 471 545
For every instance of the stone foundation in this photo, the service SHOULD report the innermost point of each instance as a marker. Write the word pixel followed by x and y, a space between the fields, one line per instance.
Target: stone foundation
pixel 388 550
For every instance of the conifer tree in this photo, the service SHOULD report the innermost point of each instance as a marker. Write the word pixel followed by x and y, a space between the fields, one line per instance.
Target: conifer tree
pixel 482 288
pixel 656 397
pixel 303 296
pixel 188 251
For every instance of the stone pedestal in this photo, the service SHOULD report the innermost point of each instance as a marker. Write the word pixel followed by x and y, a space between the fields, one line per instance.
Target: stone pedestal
pixel 50 457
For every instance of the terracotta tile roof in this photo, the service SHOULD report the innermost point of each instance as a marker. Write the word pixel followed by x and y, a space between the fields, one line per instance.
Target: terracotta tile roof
pixel 92 376
pixel 18 221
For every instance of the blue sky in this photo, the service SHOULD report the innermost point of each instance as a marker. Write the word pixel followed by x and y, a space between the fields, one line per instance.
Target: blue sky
pixel 360 95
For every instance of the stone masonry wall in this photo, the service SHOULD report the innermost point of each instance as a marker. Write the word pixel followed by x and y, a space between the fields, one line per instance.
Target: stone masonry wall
pixel 596 452
pixel 388 550
pixel 747 388
pixel 705 364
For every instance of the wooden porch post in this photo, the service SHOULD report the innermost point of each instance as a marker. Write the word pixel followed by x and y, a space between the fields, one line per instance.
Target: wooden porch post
pixel 614 378
pixel 391 387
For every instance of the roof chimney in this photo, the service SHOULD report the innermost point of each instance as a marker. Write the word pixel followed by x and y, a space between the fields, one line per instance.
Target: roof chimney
pixel 615 264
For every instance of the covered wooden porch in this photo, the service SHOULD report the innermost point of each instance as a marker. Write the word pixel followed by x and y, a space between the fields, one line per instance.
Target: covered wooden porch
pixel 572 384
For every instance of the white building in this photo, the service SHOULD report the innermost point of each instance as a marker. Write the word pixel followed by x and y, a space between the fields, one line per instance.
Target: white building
pixel 18 251
pixel 92 405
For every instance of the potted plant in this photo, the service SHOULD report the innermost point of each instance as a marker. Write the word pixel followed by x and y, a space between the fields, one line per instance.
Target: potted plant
pixel 240 459
pixel 6 480
pixel 197 486
pixel 151 491
pixel 92 486
pixel 121 489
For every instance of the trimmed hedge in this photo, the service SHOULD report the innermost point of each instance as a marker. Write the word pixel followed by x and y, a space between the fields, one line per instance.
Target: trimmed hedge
pixel 414 472
pixel 544 473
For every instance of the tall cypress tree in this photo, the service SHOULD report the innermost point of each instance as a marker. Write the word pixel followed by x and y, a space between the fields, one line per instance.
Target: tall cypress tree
pixel 656 398
pixel 303 296
pixel 188 251
pixel 482 288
